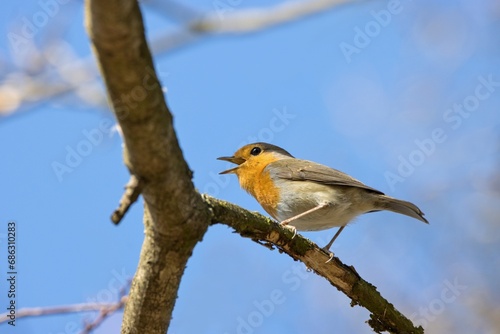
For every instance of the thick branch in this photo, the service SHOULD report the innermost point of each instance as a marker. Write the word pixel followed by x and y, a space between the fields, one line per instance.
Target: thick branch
pixel 175 217
pixel 384 317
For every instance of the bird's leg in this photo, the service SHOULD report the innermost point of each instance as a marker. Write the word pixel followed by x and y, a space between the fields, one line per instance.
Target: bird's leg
pixel 327 247
pixel 321 206
pixel 285 222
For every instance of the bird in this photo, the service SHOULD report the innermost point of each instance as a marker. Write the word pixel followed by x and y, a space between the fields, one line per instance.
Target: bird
pixel 307 196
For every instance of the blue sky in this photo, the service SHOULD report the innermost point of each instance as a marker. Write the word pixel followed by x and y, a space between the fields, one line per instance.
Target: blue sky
pixel 413 112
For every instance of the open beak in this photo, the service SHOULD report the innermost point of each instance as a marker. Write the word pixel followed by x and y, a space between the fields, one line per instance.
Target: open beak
pixel 234 160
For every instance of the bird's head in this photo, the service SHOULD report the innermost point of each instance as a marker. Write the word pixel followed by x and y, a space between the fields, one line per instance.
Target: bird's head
pixel 254 156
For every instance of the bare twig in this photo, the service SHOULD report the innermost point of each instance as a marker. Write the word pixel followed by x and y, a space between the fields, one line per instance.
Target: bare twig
pixel 132 191
pixel 104 309
pixel 249 20
pixel 75 308
pixel 103 314
pixel 196 27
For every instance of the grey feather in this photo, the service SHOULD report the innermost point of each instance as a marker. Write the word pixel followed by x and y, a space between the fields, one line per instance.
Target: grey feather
pixel 304 170
pixel 400 206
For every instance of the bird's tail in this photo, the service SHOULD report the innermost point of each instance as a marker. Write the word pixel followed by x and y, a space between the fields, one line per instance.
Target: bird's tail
pixel 384 202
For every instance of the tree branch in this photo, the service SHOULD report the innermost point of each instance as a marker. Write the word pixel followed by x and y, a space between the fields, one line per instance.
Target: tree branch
pixel 106 308
pixel 132 191
pixel 175 217
pixel 249 20
pixel 383 317
pixel 196 26
pixel 103 314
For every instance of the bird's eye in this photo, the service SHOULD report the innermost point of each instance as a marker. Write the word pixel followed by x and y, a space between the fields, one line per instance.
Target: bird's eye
pixel 255 151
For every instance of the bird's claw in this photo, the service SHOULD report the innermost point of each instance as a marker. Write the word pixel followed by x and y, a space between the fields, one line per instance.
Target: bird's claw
pixel 290 227
pixel 330 254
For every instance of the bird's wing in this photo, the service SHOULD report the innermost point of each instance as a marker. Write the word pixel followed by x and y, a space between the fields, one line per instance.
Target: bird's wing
pixel 304 170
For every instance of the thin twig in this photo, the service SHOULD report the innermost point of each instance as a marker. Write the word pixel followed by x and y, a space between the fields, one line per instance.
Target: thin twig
pixel 103 314
pixel 75 308
pixel 249 20
pixel 132 191
pixel 195 29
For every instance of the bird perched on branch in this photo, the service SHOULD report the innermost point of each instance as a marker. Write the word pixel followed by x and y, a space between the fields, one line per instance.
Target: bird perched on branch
pixel 306 195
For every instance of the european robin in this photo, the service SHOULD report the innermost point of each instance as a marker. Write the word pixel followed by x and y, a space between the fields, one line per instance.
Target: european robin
pixel 307 195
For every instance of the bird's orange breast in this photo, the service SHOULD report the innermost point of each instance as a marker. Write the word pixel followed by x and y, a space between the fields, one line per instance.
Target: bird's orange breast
pixel 257 181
